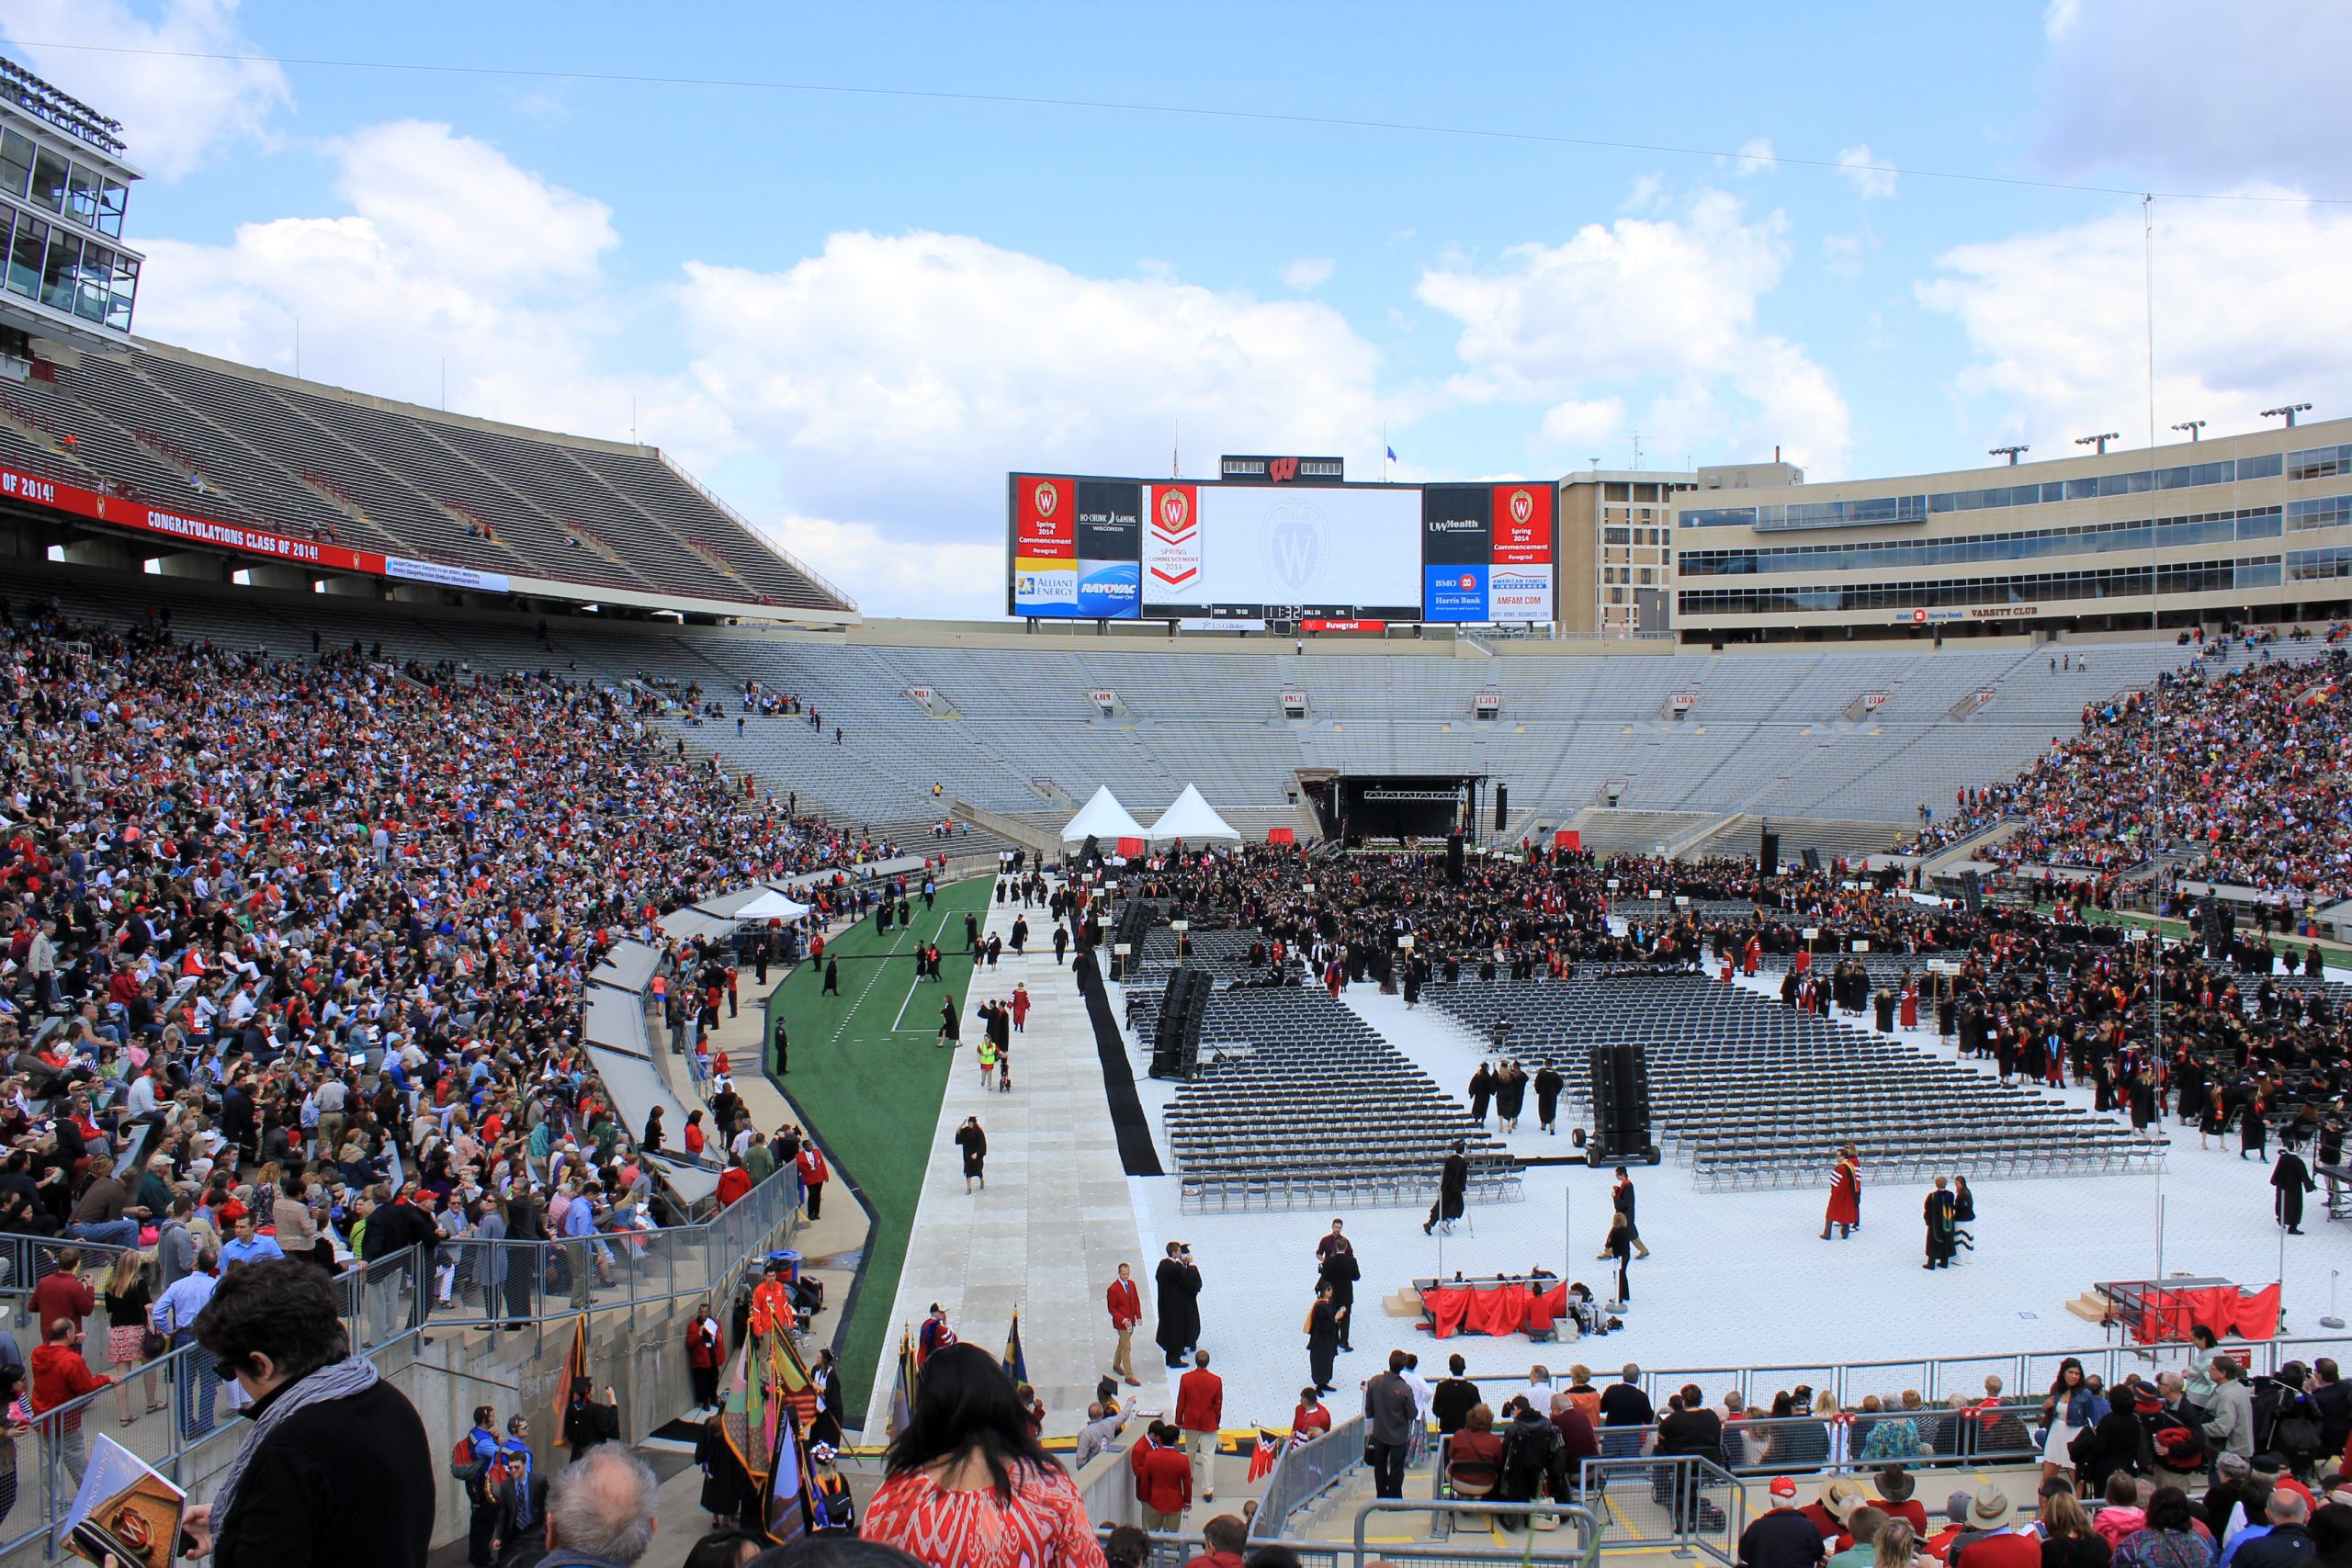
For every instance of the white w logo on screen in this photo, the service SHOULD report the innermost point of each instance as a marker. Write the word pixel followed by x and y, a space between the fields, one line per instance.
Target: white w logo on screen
pixel 1294 547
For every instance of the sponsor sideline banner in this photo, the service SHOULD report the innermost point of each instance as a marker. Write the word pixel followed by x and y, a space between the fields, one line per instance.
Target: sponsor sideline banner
pixel 1045 512
pixel 1519 594
pixel 447 576
pixel 1455 593
pixel 1044 587
pixel 1109 589
pixel 1315 624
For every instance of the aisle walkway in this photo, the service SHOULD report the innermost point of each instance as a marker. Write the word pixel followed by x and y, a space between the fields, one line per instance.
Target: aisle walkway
pixel 1055 1221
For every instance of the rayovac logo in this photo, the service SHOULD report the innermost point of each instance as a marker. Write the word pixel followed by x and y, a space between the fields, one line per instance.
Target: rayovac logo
pixel 1047 498
pixel 1523 507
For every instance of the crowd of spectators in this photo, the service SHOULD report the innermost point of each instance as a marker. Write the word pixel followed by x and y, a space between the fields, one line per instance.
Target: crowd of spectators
pixel 297 949
pixel 2233 765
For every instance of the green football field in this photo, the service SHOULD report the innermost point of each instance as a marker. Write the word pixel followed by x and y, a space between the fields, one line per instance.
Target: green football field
pixel 867 1078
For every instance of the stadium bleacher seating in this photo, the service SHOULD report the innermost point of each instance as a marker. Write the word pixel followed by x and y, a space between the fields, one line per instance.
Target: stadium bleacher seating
pixel 210 438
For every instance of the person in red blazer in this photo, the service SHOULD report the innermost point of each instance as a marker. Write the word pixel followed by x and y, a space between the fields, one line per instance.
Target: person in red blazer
pixel 1163 1482
pixel 1126 1311
pixel 1199 1411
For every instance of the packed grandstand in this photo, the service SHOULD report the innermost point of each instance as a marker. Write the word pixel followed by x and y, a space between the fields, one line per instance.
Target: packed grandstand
pixel 468 879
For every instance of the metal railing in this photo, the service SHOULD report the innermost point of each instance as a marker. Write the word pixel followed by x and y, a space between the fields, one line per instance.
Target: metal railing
pixel 474 1282
pixel 27 1260
pixel 2023 1373
pixel 1578 1537
pixel 189 1439
pixel 1305 1471
pixel 1677 1502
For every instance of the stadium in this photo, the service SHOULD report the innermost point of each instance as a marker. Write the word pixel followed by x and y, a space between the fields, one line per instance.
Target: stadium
pixel 499 939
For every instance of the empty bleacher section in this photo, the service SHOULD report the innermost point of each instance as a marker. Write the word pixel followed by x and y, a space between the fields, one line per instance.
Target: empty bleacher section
pixel 1765 734
pixel 1752 1094
pixel 210 438
pixel 1300 1103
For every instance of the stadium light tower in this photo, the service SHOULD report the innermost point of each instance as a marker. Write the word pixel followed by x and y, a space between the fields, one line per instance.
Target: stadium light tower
pixel 2192 426
pixel 2099 440
pixel 2286 412
pixel 2009 452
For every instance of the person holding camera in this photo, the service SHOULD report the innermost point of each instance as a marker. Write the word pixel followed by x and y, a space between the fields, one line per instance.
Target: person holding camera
pixel 320 1416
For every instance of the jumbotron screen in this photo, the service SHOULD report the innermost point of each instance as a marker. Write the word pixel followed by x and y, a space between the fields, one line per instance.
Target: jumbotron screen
pixel 1124 550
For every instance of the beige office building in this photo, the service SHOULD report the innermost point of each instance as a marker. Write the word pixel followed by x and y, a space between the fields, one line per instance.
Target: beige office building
pixel 2255 526
pixel 1617 538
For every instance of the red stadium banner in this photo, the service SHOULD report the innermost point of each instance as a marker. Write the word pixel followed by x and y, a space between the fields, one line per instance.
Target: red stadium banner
pixel 1312 625
pixel 18 485
pixel 1044 518
pixel 1130 848
pixel 1567 839
pixel 1523 526
pixel 1281 836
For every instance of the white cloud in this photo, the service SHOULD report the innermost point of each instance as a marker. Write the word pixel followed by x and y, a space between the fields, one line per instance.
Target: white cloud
pixel 1864 171
pixel 1843 253
pixel 447 253
pixel 2207 95
pixel 1584 423
pixel 175 108
pixel 1308 272
pixel 897 377
pixel 1754 157
pixel 873 394
pixel 1668 305
pixel 945 578
pixel 2250 311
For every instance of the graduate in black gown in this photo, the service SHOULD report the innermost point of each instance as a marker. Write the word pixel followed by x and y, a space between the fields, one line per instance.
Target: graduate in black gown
pixel 2291 1180
pixel 1178 1282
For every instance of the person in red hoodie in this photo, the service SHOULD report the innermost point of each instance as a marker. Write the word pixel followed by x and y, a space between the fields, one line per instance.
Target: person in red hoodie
pixel 61 1376
pixel 1126 1311
pixel 1199 1411
pixel 733 1182
pixel 813 1175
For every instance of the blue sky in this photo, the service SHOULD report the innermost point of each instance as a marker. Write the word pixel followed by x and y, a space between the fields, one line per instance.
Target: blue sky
pixel 851 312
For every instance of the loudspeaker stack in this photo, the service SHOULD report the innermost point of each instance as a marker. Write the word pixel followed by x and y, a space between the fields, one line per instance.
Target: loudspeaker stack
pixel 1176 1040
pixel 1621 1107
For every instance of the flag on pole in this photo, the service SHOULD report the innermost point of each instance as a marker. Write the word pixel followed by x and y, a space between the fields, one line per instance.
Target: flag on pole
pixel 1015 1364
pixel 575 1367
pixel 1262 1458
pixel 787 1499
pixel 1392 454
pixel 903 1387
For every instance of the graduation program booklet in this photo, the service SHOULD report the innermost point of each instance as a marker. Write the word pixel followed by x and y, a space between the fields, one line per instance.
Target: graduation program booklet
pixel 123 1509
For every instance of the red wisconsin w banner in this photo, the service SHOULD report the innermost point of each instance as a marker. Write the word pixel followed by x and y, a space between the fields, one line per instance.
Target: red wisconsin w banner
pixel 1261 1458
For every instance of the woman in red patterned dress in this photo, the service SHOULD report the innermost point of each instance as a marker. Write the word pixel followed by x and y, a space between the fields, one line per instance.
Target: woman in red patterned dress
pixel 969 1487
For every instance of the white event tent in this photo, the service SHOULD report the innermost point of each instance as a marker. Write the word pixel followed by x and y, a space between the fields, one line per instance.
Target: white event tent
pixel 1193 819
pixel 1101 817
